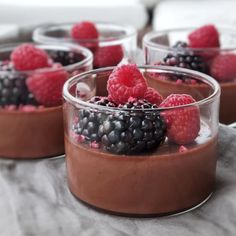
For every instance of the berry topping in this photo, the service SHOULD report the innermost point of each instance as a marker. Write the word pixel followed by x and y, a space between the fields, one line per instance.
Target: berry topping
pixel 134 131
pixel 90 119
pixel 183 124
pixel 84 30
pixel 86 33
pixel 28 57
pixel 223 67
pixel 13 90
pixel 204 37
pixel 153 96
pixel 108 56
pixel 180 44
pixel 185 58
pixel 124 82
pixel 47 87
pixel 65 58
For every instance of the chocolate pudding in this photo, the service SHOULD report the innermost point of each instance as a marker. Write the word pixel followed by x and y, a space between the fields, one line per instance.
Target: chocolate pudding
pixel 31 134
pixel 140 156
pixel 165 181
pixel 31 119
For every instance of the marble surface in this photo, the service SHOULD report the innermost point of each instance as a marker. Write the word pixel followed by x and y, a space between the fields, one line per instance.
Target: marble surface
pixel 35 201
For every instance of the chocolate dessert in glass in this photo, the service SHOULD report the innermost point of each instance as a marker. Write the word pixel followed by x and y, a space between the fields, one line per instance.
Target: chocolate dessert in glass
pixel 136 151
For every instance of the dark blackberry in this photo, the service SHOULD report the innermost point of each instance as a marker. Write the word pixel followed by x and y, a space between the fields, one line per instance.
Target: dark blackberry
pixel 184 57
pixel 89 119
pixel 133 131
pixel 180 44
pixel 13 90
pixel 64 57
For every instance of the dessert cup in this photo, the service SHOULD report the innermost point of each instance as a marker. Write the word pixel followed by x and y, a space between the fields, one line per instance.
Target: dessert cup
pixel 162 181
pixel 110 35
pixel 35 133
pixel 157 45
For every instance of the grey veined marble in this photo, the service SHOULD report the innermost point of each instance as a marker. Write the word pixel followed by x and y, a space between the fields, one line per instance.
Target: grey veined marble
pixel 35 200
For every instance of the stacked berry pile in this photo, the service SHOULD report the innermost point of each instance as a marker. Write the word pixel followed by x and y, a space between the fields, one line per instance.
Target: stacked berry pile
pixel 128 121
pixel 87 35
pixel 192 56
pixel 34 76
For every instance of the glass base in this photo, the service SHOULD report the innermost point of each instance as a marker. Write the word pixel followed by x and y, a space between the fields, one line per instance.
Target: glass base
pixel 169 214
pixel 32 158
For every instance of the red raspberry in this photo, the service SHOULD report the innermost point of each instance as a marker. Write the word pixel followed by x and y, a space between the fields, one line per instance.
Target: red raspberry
pixel 124 82
pixel 47 87
pixel 153 96
pixel 28 57
pixel 83 31
pixel 223 67
pixel 108 56
pixel 183 124
pixel 204 37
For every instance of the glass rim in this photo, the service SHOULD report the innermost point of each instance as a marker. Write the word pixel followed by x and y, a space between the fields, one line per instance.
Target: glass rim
pixel 88 56
pixel 206 78
pixel 39 34
pixel 147 40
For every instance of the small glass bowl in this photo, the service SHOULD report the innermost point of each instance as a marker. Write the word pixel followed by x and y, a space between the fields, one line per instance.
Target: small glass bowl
pixel 33 133
pixel 109 35
pixel 154 178
pixel 157 45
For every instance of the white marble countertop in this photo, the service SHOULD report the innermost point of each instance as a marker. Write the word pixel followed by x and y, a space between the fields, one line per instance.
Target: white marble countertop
pixel 35 201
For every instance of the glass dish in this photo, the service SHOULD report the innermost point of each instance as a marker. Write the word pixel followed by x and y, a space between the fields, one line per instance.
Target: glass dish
pixel 160 181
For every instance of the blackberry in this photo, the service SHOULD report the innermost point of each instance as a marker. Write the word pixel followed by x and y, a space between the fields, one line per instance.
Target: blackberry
pixel 180 44
pixel 133 131
pixel 184 57
pixel 64 57
pixel 13 90
pixel 90 119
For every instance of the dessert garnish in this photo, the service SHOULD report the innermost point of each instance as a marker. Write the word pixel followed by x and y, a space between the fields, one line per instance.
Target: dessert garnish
pixel 206 36
pixel 47 87
pixel 183 124
pixel 108 56
pixel 220 66
pixel 29 57
pixel 223 67
pixel 126 81
pixel 34 76
pixel 132 122
pixel 87 35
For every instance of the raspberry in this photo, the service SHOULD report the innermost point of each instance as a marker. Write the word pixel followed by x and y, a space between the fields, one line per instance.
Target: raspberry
pixel 108 56
pixel 153 96
pixel 47 87
pixel 223 67
pixel 124 82
pixel 85 30
pixel 29 57
pixel 183 124
pixel 204 37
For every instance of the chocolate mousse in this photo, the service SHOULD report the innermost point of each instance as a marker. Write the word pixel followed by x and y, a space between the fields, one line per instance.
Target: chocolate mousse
pixel 31 134
pixel 133 152
pixel 205 50
pixel 164 181
pixel 31 80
